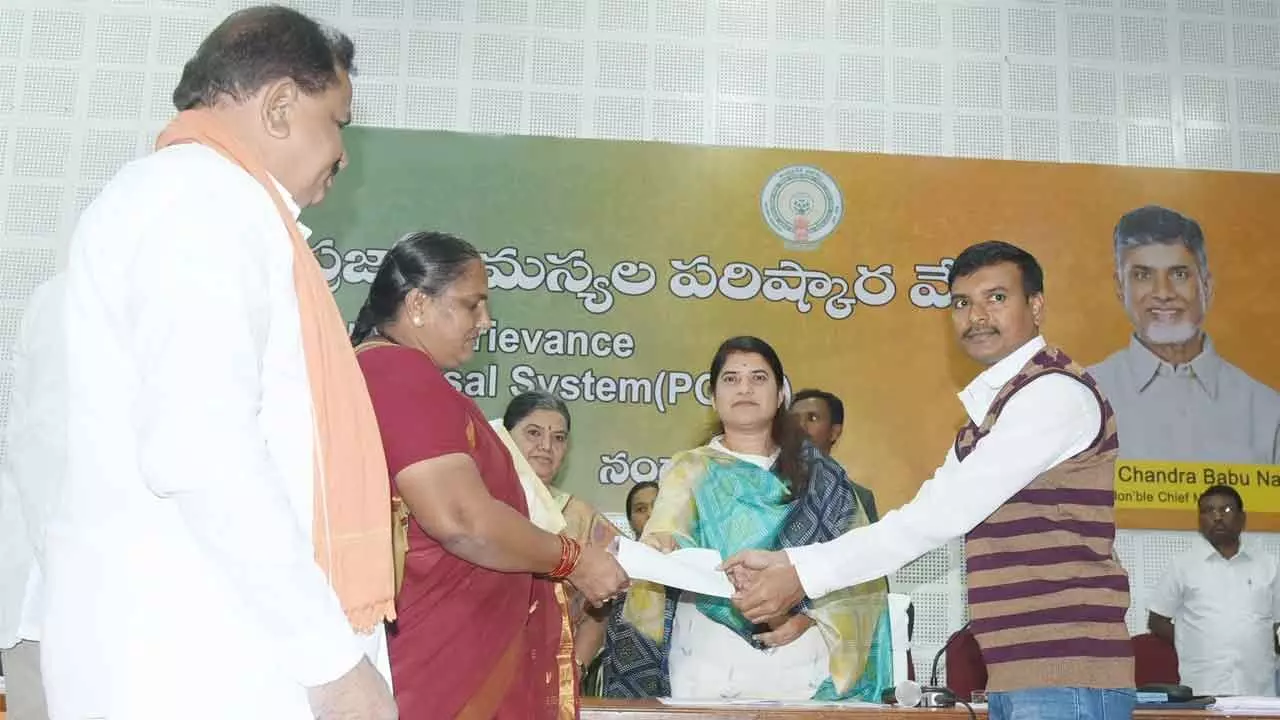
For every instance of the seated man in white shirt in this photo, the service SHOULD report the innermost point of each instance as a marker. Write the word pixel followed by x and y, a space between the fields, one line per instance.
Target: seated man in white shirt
pixel 1219 603
pixel 1029 484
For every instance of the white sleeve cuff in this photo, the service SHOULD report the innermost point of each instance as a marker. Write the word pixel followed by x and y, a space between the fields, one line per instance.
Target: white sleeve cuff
pixel 315 665
pixel 814 571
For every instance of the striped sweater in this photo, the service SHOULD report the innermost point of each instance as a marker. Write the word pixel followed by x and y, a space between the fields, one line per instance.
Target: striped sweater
pixel 1047 597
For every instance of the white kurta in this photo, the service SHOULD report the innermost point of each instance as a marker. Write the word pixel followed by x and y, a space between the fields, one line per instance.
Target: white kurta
pixel 181 581
pixel 31 477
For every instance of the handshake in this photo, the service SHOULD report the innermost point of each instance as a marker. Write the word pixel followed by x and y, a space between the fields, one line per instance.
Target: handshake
pixel 766 589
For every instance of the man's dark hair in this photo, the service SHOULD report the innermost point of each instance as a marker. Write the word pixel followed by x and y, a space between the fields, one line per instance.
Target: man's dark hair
pixel 994 252
pixel 835 406
pixel 1155 225
pixel 260 45
pixel 1225 491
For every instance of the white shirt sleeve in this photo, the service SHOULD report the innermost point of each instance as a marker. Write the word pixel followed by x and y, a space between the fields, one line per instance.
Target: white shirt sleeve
pixel 31 475
pixel 37 418
pixel 1050 420
pixel 1167 597
pixel 198 332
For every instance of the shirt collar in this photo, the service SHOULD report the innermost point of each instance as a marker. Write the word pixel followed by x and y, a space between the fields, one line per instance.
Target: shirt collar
pixel 979 394
pixel 291 206
pixel 1145 365
pixel 1206 551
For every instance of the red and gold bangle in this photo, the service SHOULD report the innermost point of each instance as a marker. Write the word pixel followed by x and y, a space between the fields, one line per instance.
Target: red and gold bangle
pixel 570 553
pixel 559 571
pixel 573 556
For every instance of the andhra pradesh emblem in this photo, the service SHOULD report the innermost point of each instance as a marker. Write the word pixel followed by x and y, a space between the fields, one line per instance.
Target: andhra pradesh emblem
pixel 802 205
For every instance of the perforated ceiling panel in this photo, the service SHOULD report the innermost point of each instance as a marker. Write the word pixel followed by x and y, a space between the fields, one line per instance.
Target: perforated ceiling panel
pixel 86 84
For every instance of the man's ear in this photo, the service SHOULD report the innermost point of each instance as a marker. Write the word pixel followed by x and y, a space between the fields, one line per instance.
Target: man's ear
pixel 278 102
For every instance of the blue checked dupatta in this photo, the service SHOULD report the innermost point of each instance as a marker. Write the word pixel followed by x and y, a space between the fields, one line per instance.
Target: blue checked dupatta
pixel 711 499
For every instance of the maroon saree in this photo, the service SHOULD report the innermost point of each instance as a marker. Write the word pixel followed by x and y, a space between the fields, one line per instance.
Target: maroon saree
pixel 469 642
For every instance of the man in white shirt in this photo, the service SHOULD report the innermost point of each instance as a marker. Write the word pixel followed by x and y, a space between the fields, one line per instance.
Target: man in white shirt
pixel 1028 483
pixel 185 574
pixel 30 481
pixel 1175 398
pixel 1219 603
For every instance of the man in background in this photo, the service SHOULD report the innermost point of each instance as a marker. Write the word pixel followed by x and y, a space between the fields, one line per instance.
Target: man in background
pixel 1175 398
pixel 821 414
pixel 31 479
pixel 1218 603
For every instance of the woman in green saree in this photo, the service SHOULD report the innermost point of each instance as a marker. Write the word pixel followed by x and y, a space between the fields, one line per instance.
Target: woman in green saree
pixel 757 483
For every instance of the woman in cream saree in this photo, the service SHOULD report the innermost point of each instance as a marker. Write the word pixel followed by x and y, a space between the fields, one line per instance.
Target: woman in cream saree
pixel 538 424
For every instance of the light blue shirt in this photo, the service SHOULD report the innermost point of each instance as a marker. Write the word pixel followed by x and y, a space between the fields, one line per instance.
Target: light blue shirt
pixel 1205 410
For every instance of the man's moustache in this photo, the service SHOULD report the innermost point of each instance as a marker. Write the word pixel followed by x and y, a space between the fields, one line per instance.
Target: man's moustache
pixel 983 331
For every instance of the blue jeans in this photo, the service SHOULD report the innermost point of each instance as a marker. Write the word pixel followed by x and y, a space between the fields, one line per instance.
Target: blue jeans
pixel 1061 703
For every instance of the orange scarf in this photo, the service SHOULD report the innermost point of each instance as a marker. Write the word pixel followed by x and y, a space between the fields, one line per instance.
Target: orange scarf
pixel 352 524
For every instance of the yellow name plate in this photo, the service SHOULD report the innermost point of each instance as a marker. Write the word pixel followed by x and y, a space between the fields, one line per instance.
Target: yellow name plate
pixel 1168 485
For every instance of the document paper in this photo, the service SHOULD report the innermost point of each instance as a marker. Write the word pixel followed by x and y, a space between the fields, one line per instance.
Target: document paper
pixel 692 569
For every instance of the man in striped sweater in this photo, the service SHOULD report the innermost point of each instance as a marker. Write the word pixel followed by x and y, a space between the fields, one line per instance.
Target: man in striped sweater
pixel 1028 484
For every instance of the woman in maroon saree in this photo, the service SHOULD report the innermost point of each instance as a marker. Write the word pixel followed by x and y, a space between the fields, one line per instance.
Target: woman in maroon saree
pixel 482 629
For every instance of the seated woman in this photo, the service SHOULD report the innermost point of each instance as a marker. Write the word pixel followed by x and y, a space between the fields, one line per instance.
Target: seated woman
pixel 539 425
pixel 639 503
pixel 483 627
pixel 756 484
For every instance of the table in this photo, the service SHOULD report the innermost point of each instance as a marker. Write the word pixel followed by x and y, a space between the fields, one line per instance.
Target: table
pixel 612 709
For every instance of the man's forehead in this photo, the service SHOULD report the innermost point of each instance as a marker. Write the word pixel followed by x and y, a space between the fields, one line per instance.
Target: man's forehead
pixel 809 405
pixel 339 95
pixel 1217 501
pixel 1001 276
pixel 1160 255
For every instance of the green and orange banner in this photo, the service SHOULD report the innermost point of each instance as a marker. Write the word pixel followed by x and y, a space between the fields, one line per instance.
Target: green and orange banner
pixel 617 268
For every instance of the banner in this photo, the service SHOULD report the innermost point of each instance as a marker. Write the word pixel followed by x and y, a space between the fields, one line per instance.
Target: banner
pixel 617 268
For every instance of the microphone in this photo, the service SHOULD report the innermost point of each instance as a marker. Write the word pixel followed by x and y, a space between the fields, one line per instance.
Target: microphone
pixel 933 674
pixel 909 693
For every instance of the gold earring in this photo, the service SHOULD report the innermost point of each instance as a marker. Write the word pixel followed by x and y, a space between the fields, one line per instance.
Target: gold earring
pixel 417 321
